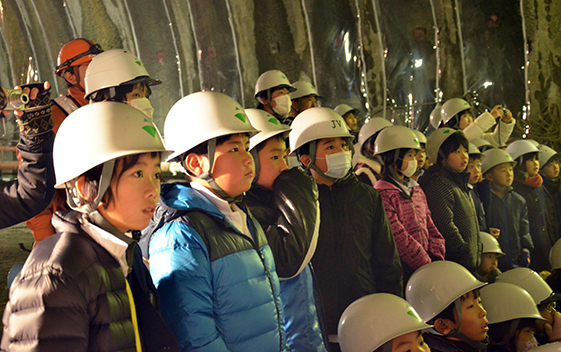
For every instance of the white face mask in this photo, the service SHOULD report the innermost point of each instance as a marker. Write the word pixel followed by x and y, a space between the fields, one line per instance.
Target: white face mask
pixel 283 105
pixel 411 168
pixel 338 164
pixel 143 104
pixel 529 345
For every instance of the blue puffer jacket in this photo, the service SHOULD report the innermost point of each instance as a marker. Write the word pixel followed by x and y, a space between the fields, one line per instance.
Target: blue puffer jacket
pixel 219 289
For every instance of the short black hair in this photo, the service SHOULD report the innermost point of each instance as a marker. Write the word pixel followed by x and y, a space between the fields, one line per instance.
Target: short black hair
pixel 387 159
pixel 120 92
pixel 279 137
pixel 451 144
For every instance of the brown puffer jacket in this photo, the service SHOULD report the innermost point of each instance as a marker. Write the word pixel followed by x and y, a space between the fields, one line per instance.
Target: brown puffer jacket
pixel 70 296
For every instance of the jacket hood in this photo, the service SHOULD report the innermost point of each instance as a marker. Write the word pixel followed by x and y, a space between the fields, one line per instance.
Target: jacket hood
pixel 66 221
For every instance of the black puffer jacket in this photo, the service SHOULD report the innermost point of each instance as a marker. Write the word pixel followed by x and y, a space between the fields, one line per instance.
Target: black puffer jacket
pixel 356 253
pixel 542 237
pixel 33 190
pixel 454 214
pixel 71 296
pixel 288 215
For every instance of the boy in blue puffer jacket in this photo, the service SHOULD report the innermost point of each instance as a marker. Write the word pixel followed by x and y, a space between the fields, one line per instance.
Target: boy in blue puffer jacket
pixel 209 258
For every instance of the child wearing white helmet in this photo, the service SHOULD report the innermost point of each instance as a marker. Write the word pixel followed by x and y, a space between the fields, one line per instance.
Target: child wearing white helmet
pixel 87 287
pixel 554 280
pixel 455 113
pixel 446 187
pixel 544 297
pixel 549 170
pixel 417 239
pixel 489 268
pixel 285 202
pixel 475 177
pixel 356 253
pixel 303 97
pixel 362 330
pixel 423 162
pixel 271 92
pixel 446 295
pixel 505 209
pixel 350 116
pixel 117 75
pixel 367 167
pixel 512 318
pixel 209 257
pixel 529 184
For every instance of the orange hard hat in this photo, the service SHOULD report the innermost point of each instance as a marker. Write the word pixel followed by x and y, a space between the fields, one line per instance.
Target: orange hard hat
pixel 76 52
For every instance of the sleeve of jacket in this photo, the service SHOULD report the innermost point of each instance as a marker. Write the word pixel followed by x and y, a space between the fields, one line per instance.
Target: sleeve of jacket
pixel 32 316
pixel 180 269
pixel 479 126
pixel 33 190
pixel 411 252
pixel 525 237
pixel 385 258
pixel 441 203
pixel 501 134
pixel 294 236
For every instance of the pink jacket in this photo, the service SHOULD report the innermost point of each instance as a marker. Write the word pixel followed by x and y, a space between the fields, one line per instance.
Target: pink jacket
pixel 416 237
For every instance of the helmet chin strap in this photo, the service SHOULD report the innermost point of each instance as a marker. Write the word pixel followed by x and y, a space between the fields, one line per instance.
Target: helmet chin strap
pixel 456 332
pixel 206 176
pixel 104 183
pixel 312 164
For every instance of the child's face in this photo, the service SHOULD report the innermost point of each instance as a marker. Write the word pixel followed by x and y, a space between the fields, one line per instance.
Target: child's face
pixel 233 168
pixel 411 342
pixel 421 157
pixel 411 155
pixel 139 91
pixel 532 166
pixel 305 103
pixel 489 263
pixel 272 161
pixel 522 337
pixel 551 169
pixel 465 120
pixel 474 318
pixel 474 169
pixel 501 175
pixel 458 159
pixel 328 146
pixel 135 195
pixel 351 121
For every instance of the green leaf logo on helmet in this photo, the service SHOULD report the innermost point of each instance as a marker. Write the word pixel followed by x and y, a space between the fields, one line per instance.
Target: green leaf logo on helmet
pixel 138 62
pixel 241 116
pixel 273 120
pixel 417 141
pixel 446 131
pixel 151 130
pixel 414 314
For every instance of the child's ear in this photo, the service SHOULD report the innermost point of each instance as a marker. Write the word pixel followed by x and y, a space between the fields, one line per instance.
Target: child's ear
pixel 79 186
pixel 488 176
pixel 444 326
pixel 305 159
pixel 194 163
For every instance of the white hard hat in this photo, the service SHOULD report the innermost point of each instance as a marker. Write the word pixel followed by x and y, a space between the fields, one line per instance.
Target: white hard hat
pixel 505 302
pixel 113 68
pixel 532 282
pixel 200 117
pixel 546 153
pixel 395 137
pixel 521 147
pixel 316 123
pixel 434 286
pixel 420 136
pixel 272 79
pixel 555 255
pixel 481 143
pixel 550 347
pixel 473 150
pixel 435 140
pixel 436 116
pixel 361 328
pixel 370 128
pixel 303 89
pixel 267 124
pixel 490 244
pixel 494 157
pixel 342 109
pixel 100 132
pixel 452 107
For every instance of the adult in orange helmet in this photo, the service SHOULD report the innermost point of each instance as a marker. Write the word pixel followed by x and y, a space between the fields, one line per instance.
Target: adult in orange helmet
pixel 72 61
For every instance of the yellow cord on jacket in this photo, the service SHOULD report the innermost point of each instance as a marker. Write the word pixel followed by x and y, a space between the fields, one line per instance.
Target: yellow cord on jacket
pixel 133 317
